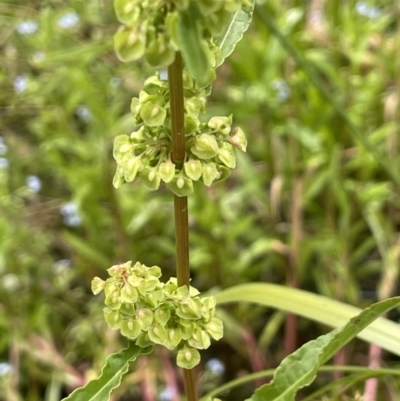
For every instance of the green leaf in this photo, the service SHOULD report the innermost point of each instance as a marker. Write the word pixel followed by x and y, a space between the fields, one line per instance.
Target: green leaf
pixel 234 31
pixel 383 332
pixel 300 368
pixel 192 46
pixel 116 366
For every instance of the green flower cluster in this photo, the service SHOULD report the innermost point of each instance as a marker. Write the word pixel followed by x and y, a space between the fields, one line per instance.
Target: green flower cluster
pixel 210 147
pixel 152 28
pixel 151 312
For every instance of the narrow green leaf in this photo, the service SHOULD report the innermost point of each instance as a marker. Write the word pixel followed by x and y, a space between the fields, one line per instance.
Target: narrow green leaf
pixel 192 46
pixel 300 368
pixel 382 332
pixel 234 31
pixel 116 366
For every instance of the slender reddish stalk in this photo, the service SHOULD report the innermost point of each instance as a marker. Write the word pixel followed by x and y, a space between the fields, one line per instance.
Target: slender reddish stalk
pixel 180 203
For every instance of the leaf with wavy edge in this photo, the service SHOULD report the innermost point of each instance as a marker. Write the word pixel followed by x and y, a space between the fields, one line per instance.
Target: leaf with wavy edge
pixel 234 31
pixel 382 332
pixel 300 368
pixel 116 366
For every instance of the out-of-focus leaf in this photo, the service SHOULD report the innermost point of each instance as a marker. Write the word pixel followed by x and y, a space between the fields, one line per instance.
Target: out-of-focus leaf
pixel 382 332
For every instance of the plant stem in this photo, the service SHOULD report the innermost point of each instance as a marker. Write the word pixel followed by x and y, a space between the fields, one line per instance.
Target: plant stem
pixel 180 203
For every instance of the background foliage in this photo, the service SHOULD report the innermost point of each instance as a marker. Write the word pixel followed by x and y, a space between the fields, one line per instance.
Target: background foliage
pixel 308 206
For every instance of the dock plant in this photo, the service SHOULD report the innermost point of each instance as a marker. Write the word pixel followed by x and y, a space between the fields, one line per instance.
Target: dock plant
pixel 173 145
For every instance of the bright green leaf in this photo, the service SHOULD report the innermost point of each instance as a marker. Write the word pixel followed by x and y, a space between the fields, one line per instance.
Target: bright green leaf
pixel 116 366
pixel 300 368
pixel 234 32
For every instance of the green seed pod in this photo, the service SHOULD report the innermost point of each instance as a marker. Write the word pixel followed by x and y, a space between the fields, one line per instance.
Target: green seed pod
pixel 187 328
pixel 128 309
pixel 97 285
pixel 174 337
pixel 134 280
pixel 200 339
pixel 193 169
pixel 118 179
pixel 128 11
pixel 215 328
pixel 129 44
pixel 150 283
pixel 205 146
pixel 153 114
pixel 224 172
pixel 221 124
pixel 181 185
pixel 143 340
pixel 145 318
pixel 129 294
pixel 188 309
pixel 194 105
pixel 152 299
pixel 162 315
pixel 158 334
pixel 122 149
pixel 150 178
pixel 167 171
pixel 227 155
pixel 238 139
pixel 131 168
pixel 154 271
pixel 113 318
pixel 113 301
pixel 191 124
pixel 159 52
pixel 154 86
pixel 135 106
pixel 210 173
pixel 130 328
pixel 111 287
pixel 188 357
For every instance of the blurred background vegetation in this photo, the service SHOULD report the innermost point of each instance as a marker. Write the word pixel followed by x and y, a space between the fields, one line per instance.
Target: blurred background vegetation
pixel 313 204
